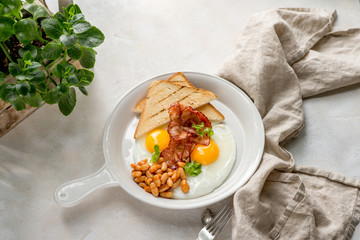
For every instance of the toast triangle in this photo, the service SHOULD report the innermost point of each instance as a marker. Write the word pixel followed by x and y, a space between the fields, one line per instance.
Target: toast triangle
pixel 160 96
pixel 179 78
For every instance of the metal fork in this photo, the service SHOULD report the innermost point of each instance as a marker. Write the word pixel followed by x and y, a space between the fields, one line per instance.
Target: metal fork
pixel 213 228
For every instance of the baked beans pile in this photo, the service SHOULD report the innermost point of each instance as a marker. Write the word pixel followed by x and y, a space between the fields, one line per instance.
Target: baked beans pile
pixel 158 179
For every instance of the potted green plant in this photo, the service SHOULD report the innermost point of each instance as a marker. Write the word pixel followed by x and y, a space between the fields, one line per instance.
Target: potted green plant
pixel 44 58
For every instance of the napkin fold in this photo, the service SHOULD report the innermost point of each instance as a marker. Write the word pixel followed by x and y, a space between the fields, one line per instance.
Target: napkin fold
pixel 281 57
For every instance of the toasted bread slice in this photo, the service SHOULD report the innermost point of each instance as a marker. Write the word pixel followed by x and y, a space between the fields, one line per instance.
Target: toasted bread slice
pixel 160 96
pixel 179 78
pixel 211 112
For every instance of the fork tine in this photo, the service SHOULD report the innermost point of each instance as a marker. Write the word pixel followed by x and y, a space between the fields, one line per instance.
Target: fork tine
pixel 213 228
pixel 216 217
pixel 220 226
pixel 225 210
pixel 220 219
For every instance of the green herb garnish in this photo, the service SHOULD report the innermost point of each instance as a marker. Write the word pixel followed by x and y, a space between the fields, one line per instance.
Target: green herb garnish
pixel 209 131
pixel 198 128
pixel 155 156
pixel 192 168
pixel 40 62
pixel 201 131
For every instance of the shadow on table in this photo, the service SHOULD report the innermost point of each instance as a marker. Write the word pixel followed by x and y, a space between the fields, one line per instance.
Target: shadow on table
pixel 115 205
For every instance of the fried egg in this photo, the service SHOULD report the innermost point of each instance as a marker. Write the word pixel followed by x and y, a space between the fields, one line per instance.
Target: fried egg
pixel 144 146
pixel 217 158
pixel 214 170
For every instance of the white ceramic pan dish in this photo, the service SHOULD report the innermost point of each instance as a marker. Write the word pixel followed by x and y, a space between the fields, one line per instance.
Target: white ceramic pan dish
pixel 240 114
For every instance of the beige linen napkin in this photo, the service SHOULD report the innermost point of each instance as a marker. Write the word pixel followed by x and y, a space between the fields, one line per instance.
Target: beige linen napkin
pixel 281 57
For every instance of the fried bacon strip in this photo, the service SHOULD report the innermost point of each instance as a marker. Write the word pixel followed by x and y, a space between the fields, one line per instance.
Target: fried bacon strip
pixel 183 137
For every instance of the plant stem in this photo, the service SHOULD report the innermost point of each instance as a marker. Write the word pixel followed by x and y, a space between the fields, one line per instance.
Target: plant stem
pixel 64 57
pixel 49 75
pixel 18 16
pixel 5 50
pixel 42 40
pixel 49 65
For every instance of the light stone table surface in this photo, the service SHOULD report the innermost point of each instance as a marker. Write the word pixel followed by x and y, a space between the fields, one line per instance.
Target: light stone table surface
pixel 144 39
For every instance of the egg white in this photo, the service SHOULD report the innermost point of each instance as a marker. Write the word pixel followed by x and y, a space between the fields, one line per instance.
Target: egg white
pixel 212 175
pixel 140 151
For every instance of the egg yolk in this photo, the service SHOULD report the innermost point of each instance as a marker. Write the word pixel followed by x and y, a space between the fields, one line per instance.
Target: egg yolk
pixel 205 154
pixel 157 137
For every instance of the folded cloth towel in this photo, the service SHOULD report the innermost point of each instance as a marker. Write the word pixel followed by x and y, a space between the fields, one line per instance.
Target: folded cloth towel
pixel 283 56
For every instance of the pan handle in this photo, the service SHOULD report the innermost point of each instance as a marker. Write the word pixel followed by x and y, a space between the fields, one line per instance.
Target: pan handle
pixel 71 193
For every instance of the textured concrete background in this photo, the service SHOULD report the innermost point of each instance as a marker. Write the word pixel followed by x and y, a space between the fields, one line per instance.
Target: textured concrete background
pixel 144 39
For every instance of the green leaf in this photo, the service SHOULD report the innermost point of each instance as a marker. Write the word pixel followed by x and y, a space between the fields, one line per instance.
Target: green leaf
pixel 37 77
pixel 52 96
pixel 34 101
pixel 40 87
pixel 61 18
pixel 18 103
pixel 74 52
pixel 81 27
pixel 6 28
pixel 71 10
pixel 69 69
pixel 14 69
pixel 77 9
pixel 22 88
pixel 1 8
pixel 68 40
pixel 38 58
pixel 31 92
pixel 62 88
pixel 87 59
pixel 72 79
pixel 36 10
pixel 28 48
pixel 23 77
pixel 58 71
pixel 52 51
pixel 2 77
pixel 67 102
pixel 33 66
pixel 77 17
pixel 30 1
pixel 27 57
pixel 85 76
pixel 83 83
pixel 83 90
pixel 156 154
pixel 11 8
pixel 26 30
pixel 9 93
pixel 192 168
pixel 92 37
pixel 52 28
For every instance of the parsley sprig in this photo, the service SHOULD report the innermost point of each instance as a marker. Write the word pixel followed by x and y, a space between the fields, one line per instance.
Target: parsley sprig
pixel 192 168
pixel 155 156
pixel 202 131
